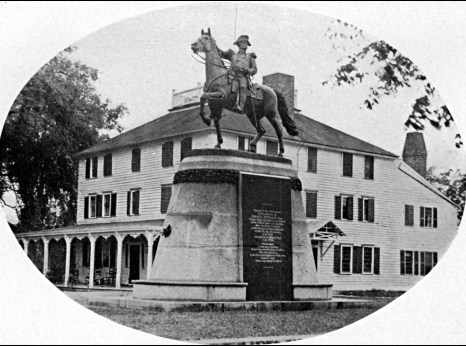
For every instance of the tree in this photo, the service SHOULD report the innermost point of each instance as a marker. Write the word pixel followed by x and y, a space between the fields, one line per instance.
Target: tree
pixel 392 72
pixel 57 113
pixel 452 184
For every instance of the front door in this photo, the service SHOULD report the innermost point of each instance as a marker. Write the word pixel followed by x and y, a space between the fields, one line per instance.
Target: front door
pixel 133 263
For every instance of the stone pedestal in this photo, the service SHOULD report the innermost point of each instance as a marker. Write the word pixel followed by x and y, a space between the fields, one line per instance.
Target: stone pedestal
pixel 203 258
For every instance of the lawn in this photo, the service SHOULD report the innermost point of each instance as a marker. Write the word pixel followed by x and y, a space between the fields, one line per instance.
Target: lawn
pixel 233 324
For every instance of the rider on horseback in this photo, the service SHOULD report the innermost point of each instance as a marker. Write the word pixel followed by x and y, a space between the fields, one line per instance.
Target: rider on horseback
pixel 243 65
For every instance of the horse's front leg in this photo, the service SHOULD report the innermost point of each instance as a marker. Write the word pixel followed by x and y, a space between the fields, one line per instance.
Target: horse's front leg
pixel 205 119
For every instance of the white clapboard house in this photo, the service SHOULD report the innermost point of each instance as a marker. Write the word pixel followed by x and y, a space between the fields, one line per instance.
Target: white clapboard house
pixel 373 219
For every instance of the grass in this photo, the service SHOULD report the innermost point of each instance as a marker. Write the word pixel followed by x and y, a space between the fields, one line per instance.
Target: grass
pixel 233 324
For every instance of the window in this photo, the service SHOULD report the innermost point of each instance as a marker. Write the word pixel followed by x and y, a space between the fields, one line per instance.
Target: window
pixel 417 262
pixel 312 160
pixel 343 207
pixel 186 145
pixel 107 165
pixel 349 259
pixel 428 217
pixel 91 167
pixel 369 167
pixel 366 209
pixel 347 165
pixel 92 206
pixel 167 154
pixel 271 148
pixel 346 259
pixel 136 160
pixel 409 215
pixel 132 204
pixel 165 200
pixel 311 204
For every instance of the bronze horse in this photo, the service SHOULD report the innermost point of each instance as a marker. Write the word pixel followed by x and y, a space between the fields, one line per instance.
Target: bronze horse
pixel 218 92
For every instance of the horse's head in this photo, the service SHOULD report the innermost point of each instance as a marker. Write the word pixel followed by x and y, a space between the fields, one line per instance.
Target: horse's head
pixel 205 43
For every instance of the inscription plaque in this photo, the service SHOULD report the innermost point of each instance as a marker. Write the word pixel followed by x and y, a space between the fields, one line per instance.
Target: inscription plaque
pixel 267 247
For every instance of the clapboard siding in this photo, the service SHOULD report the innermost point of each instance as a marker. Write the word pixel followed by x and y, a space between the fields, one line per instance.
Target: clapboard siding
pixel 391 189
pixel 149 179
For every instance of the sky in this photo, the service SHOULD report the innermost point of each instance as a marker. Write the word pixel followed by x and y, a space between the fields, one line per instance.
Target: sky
pixel 142 59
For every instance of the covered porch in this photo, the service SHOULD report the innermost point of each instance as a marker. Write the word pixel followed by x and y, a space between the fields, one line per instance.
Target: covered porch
pixel 94 256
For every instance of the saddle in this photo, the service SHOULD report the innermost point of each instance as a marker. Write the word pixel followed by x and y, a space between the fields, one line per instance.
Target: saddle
pixel 253 89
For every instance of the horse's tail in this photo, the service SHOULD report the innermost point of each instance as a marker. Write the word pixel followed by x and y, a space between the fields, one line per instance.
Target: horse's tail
pixel 287 121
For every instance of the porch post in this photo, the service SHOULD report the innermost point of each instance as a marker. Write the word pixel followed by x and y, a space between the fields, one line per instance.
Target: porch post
pixel 68 260
pixel 92 261
pixel 26 246
pixel 46 254
pixel 150 245
pixel 119 238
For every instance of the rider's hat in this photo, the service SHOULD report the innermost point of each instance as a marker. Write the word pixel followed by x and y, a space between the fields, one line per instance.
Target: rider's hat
pixel 242 38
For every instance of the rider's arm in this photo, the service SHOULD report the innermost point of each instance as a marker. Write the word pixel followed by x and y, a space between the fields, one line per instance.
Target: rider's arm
pixel 252 64
pixel 225 55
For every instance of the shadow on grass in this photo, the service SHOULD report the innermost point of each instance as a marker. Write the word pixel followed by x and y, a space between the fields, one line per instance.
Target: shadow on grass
pixel 233 324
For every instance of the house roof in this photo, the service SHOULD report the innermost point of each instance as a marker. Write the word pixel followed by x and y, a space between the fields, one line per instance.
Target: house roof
pixel 187 120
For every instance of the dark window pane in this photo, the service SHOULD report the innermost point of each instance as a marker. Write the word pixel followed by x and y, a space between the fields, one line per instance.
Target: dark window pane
pixel 428 217
pixel 347 165
pixel 136 202
pixel 409 262
pixel 369 167
pixel 95 162
pixel 429 263
pixel 312 160
pixel 311 204
pixel 136 160
pixel 272 148
pixel 167 154
pixel 166 195
pixel 108 165
pixel 344 202
pixel 186 145
pixel 241 143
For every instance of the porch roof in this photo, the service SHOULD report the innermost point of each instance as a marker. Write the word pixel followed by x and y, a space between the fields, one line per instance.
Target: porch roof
pixel 97 228
pixel 324 228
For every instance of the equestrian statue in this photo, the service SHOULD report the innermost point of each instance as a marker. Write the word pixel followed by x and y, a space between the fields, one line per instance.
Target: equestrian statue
pixel 231 88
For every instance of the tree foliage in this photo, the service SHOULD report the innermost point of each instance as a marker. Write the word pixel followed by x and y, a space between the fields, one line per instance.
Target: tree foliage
pixel 452 184
pixel 393 71
pixel 57 113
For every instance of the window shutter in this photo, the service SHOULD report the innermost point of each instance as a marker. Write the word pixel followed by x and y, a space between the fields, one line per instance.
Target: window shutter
pixel 360 209
pixel 407 219
pixel 241 143
pixel 423 264
pixel 336 259
pixel 95 164
pixel 98 212
pixel 357 259
pixel 411 215
pixel 186 145
pixel 422 217
pixel 416 262
pixel 435 258
pixel 350 208
pixel 337 207
pixel 113 205
pixel 347 165
pixel 136 202
pixel 402 262
pixel 108 165
pixel 377 260
pixel 136 160
pixel 167 154
pixel 312 160
pixel 128 204
pixel 435 217
pixel 86 207
pixel 311 204
pixel 88 168
pixel 371 210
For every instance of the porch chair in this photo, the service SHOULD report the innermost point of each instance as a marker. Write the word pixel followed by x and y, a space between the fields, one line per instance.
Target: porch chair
pixel 110 278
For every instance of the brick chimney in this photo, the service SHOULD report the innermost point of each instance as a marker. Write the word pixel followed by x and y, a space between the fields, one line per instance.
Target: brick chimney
pixel 283 83
pixel 415 152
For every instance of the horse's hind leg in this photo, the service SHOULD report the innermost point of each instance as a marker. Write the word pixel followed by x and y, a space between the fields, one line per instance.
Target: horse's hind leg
pixel 276 125
pixel 260 132
pixel 219 133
